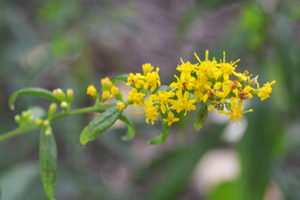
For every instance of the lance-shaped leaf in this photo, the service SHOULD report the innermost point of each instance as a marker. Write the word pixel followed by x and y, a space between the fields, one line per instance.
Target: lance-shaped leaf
pixel 131 132
pixel 200 117
pixel 99 124
pixel 122 77
pixel 48 162
pixel 162 137
pixel 34 92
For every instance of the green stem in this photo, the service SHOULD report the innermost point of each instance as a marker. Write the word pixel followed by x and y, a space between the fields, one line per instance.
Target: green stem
pixel 17 131
pixel 61 115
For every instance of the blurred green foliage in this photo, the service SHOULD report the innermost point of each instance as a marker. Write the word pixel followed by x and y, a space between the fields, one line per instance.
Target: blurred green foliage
pixel 51 44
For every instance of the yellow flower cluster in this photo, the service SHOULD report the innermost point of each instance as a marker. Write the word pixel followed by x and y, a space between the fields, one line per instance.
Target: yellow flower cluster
pixel 109 90
pixel 206 82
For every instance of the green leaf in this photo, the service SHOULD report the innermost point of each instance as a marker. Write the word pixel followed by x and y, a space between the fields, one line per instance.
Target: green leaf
pixel 200 117
pixel 131 132
pixel 161 88
pixel 162 137
pixel 99 124
pixel 48 162
pixel 178 168
pixel 122 77
pixel 34 92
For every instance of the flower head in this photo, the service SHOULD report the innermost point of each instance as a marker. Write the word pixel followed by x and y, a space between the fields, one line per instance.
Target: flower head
pixel 182 103
pixel 136 80
pixel 147 68
pixel 163 98
pixel 136 97
pixel 171 119
pixel 91 90
pixel 120 106
pixel 106 83
pixel 152 79
pixel 235 113
pixel 266 90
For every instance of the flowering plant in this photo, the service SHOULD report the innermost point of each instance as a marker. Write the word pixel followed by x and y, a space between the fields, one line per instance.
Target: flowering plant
pixel 208 84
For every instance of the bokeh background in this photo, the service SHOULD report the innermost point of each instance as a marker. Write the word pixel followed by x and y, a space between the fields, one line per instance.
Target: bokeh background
pixel 75 43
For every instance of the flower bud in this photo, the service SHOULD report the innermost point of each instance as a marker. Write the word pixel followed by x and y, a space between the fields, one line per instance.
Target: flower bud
pixel 52 109
pixel 253 81
pixel 46 123
pixel 59 94
pixel 64 105
pixel 70 95
pixel 48 131
pixel 38 122
pixel 18 118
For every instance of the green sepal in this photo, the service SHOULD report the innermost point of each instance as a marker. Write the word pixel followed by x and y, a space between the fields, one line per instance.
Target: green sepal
pixel 162 137
pixel 99 124
pixel 161 88
pixel 34 92
pixel 131 131
pixel 48 162
pixel 201 117
pixel 122 77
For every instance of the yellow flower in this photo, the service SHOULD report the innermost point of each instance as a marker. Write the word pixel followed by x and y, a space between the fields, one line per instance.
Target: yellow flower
pixel 91 90
pixel 106 94
pixel 114 91
pixel 147 68
pixel 245 93
pixel 171 119
pixel 136 97
pixel 200 84
pixel 235 113
pixel 226 69
pixel 136 80
pixel 106 83
pixel 266 90
pixel 150 110
pixel 120 106
pixel 162 98
pixel 152 79
pixel 186 82
pixel 206 67
pixel 182 103
pixel 225 87
pixel 186 68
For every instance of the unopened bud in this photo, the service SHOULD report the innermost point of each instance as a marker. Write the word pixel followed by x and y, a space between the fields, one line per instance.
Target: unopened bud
pixel 46 123
pixel 253 81
pixel 64 105
pixel 18 118
pixel 30 118
pixel 52 109
pixel 38 122
pixel 59 94
pixel 48 131
pixel 70 95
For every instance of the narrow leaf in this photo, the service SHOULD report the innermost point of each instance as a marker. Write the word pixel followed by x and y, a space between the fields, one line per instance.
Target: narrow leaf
pixel 131 132
pixel 122 77
pixel 162 137
pixel 200 117
pixel 48 162
pixel 99 124
pixel 34 92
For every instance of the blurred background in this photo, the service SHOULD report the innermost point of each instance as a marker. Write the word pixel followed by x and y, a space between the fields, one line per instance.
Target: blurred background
pixel 75 43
